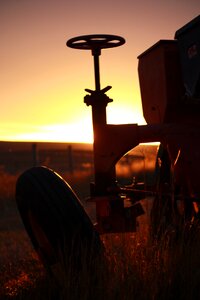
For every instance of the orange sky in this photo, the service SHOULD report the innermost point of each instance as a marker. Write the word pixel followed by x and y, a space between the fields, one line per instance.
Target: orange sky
pixel 43 81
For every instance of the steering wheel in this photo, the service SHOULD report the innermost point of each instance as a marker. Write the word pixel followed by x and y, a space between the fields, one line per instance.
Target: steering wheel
pixel 95 42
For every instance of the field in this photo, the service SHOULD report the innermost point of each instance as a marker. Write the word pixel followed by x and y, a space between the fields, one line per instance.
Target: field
pixel 134 266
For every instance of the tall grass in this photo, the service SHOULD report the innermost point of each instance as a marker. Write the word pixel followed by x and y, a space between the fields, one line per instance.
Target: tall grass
pixel 133 265
pixel 138 268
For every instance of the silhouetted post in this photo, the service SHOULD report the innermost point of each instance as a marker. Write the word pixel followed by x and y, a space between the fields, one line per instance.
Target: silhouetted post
pixel 70 159
pixel 34 154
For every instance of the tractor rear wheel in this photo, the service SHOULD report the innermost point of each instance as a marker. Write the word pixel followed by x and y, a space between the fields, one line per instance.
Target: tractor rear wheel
pixel 172 210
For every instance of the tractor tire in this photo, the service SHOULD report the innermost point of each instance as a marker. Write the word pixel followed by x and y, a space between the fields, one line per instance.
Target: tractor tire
pixel 172 211
pixel 161 212
pixel 56 222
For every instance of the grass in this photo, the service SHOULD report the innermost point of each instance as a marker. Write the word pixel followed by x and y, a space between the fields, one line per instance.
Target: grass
pixel 133 267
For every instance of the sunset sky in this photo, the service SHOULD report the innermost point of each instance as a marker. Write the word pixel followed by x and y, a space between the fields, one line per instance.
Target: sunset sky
pixel 43 81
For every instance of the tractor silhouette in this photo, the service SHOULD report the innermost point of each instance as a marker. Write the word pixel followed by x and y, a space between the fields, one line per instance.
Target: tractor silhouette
pixel 169 75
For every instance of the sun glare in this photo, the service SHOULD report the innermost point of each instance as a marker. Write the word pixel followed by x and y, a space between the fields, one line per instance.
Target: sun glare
pixel 74 133
pixel 78 132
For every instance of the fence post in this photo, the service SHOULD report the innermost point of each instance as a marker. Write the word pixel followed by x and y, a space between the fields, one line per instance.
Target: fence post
pixel 34 154
pixel 70 159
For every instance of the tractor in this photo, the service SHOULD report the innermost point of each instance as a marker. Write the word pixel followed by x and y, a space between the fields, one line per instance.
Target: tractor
pixel 169 76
